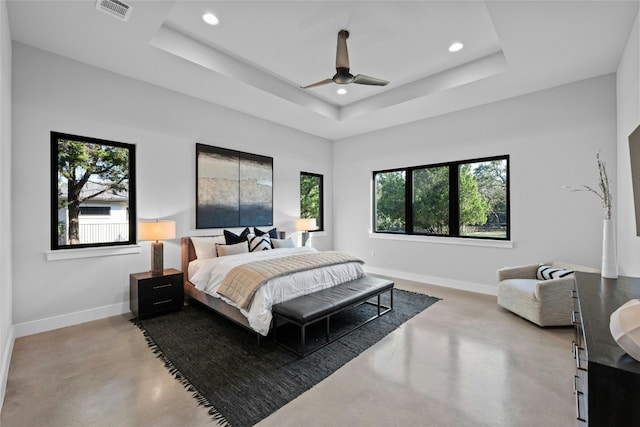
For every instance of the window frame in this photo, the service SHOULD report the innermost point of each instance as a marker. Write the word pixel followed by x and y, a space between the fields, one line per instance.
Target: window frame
pixel 319 221
pixel 131 191
pixel 454 199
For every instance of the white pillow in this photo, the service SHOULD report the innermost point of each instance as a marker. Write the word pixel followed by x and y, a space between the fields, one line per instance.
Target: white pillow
pixel 259 243
pixel 206 246
pixel 238 248
pixel 546 272
pixel 283 243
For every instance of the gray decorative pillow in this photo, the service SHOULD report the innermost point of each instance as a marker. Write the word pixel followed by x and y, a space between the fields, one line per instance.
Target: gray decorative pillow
pixel 238 248
pixel 546 272
pixel 259 243
pixel 282 243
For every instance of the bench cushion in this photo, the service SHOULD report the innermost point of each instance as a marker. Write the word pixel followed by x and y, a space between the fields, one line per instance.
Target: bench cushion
pixel 307 308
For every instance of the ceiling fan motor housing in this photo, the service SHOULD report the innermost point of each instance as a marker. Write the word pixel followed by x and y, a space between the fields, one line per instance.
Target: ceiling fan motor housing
pixel 343 76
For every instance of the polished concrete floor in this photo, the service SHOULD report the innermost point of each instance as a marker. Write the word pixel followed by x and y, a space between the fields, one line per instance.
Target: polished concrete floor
pixel 462 362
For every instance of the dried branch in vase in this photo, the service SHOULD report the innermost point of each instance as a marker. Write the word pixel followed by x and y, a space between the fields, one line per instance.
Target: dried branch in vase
pixel 603 191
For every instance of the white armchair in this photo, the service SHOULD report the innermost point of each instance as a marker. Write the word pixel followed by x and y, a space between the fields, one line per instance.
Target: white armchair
pixel 543 302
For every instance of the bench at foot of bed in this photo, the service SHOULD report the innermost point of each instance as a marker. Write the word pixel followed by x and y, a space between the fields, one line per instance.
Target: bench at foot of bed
pixel 321 305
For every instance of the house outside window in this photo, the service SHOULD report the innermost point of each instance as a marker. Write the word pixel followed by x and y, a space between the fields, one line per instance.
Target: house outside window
pixel 468 198
pixel 92 192
pixel 312 198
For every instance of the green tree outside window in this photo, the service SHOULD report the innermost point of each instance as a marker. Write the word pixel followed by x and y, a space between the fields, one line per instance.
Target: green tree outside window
pixel 87 174
pixel 464 198
pixel 311 198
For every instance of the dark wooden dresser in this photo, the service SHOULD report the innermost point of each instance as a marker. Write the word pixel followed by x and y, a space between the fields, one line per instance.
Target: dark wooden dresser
pixel 607 380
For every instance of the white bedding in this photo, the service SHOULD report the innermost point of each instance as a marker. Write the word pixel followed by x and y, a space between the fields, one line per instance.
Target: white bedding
pixel 207 275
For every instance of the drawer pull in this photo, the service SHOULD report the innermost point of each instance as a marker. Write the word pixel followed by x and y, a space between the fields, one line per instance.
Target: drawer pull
pixel 167 285
pixel 574 318
pixel 577 350
pixel 574 295
pixel 578 415
pixel 162 302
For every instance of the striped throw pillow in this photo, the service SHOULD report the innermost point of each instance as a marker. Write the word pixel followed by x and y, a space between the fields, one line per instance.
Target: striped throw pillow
pixel 259 243
pixel 546 272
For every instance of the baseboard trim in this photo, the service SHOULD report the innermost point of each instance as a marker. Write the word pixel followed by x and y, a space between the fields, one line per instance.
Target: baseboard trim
pixel 70 319
pixel 6 361
pixel 433 280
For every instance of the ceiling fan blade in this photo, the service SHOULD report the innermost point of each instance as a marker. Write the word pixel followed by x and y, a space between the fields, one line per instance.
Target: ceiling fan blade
pixel 342 55
pixel 320 83
pixel 366 80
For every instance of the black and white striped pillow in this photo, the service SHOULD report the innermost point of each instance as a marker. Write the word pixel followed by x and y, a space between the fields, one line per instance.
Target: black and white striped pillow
pixel 259 243
pixel 546 272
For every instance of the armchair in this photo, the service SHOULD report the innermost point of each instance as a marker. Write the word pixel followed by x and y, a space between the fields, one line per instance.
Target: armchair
pixel 543 302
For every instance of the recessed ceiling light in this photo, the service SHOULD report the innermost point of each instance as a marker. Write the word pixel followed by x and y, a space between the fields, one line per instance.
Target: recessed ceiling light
pixel 455 47
pixel 210 19
pixel 341 91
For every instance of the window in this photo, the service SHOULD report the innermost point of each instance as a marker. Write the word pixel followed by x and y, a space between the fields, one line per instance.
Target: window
pixel 390 201
pixel 95 210
pixel 467 198
pixel 92 192
pixel 312 198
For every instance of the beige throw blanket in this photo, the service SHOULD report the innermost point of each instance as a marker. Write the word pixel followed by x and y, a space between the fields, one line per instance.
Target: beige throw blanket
pixel 242 281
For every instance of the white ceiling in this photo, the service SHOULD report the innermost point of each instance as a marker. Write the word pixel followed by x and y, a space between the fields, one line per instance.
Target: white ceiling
pixel 260 54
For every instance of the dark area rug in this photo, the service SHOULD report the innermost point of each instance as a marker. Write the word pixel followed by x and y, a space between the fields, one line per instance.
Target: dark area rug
pixel 241 382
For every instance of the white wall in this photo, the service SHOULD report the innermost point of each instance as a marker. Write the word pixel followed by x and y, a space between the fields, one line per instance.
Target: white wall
pixel 54 93
pixel 551 136
pixel 628 99
pixel 6 323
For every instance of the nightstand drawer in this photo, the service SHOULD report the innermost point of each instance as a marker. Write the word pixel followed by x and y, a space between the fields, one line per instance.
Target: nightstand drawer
pixel 162 305
pixel 160 289
pixel 151 295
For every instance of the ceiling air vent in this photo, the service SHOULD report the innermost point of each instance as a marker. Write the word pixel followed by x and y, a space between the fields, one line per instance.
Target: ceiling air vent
pixel 117 8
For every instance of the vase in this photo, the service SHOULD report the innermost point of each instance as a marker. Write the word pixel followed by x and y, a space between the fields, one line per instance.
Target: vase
pixel 609 259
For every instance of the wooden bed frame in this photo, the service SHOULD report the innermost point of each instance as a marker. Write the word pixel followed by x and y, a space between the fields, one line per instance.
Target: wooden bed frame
pixel 216 304
pixel 233 313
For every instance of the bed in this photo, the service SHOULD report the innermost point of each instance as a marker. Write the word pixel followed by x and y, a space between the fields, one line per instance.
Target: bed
pixel 202 276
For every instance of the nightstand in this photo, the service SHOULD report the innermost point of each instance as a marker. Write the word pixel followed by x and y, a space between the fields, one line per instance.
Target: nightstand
pixel 151 295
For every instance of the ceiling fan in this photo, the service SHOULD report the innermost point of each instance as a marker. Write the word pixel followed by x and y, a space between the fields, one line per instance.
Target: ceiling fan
pixel 343 76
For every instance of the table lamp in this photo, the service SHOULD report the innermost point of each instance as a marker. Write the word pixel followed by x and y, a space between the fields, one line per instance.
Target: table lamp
pixel 157 230
pixel 304 225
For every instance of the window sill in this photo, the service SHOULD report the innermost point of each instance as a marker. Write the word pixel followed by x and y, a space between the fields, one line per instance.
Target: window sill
pixel 91 252
pixel 507 244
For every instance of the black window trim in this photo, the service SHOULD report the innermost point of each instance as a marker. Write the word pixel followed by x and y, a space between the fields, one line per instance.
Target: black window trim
pixel 320 221
pixel 454 197
pixel 133 231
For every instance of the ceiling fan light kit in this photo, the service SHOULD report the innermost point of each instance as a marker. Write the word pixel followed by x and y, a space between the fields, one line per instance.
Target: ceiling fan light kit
pixel 343 75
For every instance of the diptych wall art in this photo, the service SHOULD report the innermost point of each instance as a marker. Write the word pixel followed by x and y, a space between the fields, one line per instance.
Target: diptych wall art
pixel 634 151
pixel 233 189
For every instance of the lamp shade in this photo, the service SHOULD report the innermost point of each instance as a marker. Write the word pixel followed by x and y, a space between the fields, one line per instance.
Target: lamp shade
pixel 157 230
pixel 306 224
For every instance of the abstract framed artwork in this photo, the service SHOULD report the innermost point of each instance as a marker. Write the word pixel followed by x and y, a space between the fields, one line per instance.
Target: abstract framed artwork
pixel 634 154
pixel 233 188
